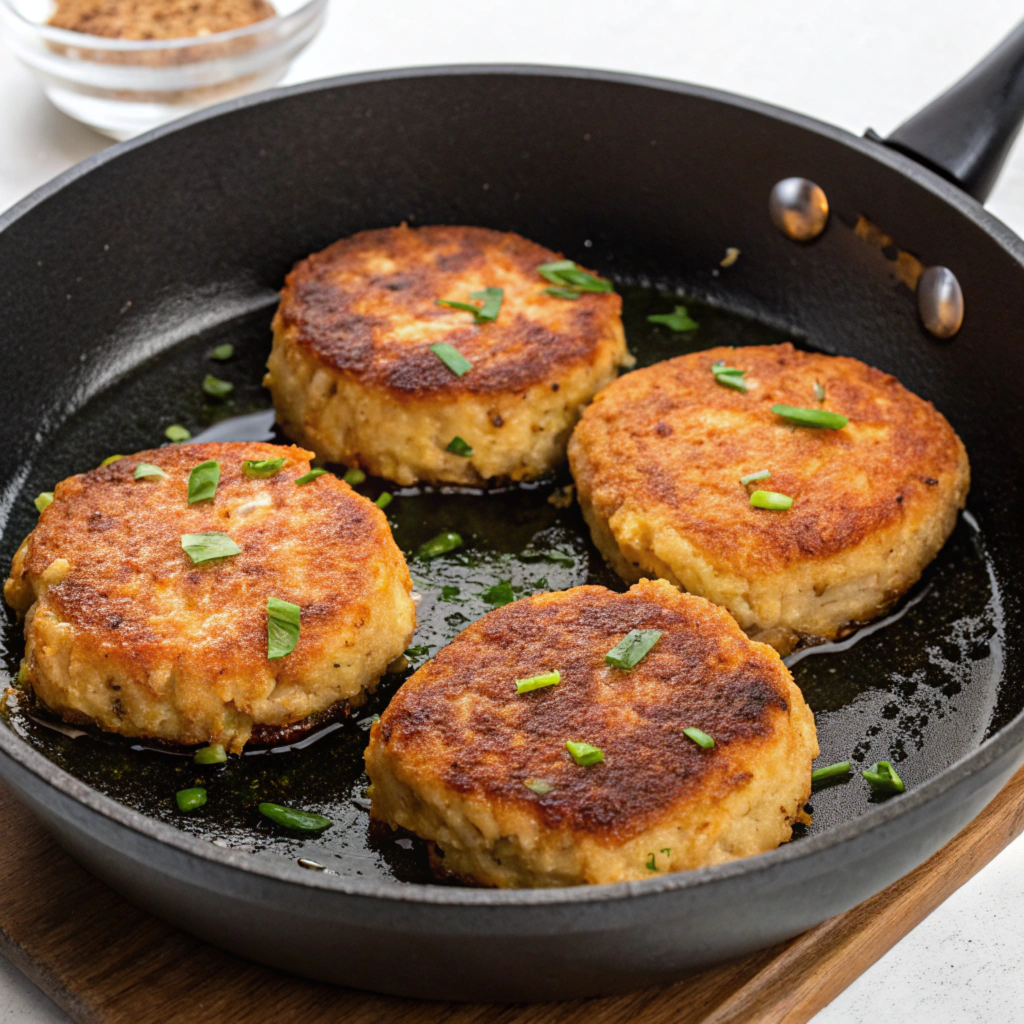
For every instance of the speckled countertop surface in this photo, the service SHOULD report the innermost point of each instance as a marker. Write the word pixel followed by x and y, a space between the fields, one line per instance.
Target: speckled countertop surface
pixel 853 62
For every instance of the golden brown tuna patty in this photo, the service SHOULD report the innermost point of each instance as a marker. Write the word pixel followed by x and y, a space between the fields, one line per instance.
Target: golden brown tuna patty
pixel 451 756
pixel 354 378
pixel 124 631
pixel 658 460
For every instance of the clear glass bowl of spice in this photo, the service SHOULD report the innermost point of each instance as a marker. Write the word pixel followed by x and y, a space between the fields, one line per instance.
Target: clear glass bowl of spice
pixel 124 66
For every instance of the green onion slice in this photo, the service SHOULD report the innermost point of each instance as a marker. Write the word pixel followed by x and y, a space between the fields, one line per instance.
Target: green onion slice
pixel 701 738
pixel 500 594
pixel 729 377
pixel 490 300
pixel 384 499
pixel 261 468
pixel 677 321
pixel 190 799
pixel 819 392
pixel 217 388
pixel 147 471
pixel 761 474
pixel 213 754
pixel 563 293
pixel 43 500
pixel 110 459
pixel 283 620
pixel 771 500
pixel 177 433
pixel 811 417
pixel 452 358
pixel 459 447
pixel 567 274
pixel 882 778
pixel 539 786
pixel 632 648
pixel 830 771
pixel 204 547
pixel 538 682
pixel 583 753
pixel 202 482
pixel 650 863
pixel 222 353
pixel 298 821
pixel 439 545
pixel 354 476
pixel 308 478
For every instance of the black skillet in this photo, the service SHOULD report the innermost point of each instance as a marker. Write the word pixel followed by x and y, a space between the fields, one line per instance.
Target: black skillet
pixel 120 276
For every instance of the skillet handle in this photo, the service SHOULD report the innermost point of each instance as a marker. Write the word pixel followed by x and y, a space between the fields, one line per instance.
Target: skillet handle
pixel 966 133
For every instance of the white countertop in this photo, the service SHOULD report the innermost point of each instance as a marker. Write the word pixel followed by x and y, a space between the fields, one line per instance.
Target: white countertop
pixel 853 62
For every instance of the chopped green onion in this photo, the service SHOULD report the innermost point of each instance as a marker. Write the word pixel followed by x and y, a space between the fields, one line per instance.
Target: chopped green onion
pixel 830 771
pixel 650 862
pixel 384 499
pixel 632 648
pixel 299 821
pixel 488 310
pixel 678 320
pixel 452 358
pixel 147 471
pixel 177 433
pixel 538 682
pixel 729 376
pixel 583 753
pixel 811 417
pixel 283 621
pixel 567 273
pixel 222 353
pixel 217 388
pixel 439 545
pixel 202 482
pixel 702 739
pixel 261 468
pixel 771 500
pixel 539 786
pixel 500 594
pixel 190 799
pixel 308 478
pixel 882 778
pixel 459 447
pixel 110 459
pixel 213 754
pixel 761 474
pixel 354 476
pixel 204 547
pixel 819 392
pixel 563 293
pixel 43 500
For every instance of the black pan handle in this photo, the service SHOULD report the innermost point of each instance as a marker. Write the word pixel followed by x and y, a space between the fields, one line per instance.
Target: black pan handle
pixel 966 133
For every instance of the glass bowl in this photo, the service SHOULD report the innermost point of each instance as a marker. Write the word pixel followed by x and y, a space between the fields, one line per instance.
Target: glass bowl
pixel 122 87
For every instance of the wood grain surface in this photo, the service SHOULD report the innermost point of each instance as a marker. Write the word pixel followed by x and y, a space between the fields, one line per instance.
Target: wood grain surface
pixel 106 962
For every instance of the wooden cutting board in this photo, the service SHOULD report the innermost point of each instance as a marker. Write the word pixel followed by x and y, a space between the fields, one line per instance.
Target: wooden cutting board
pixel 106 962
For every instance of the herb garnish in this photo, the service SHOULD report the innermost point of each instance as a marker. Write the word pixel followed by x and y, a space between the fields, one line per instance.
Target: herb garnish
pixel 147 471
pixel 701 738
pixel 217 388
pixel 571 280
pixel 299 821
pixel 632 648
pixel 176 433
pixel 222 353
pixel 384 499
pixel 459 447
pixel 110 460
pixel 212 754
pixel 260 469
pixel 308 478
pixel 678 320
pixel 819 392
pixel 283 621
pixel 761 474
pixel 539 786
pixel 729 376
pixel 811 417
pixel 882 778
pixel 500 594
pixel 538 682
pixel 771 500
pixel 452 358
pixel 583 753
pixel 204 547
pixel 354 476
pixel 202 482
pixel 490 304
pixel 830 771
pixel 190 799
pixel 43 500
pixel 439 545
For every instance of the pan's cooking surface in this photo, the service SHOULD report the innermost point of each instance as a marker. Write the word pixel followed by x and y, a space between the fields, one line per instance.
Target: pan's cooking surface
pixel 922 690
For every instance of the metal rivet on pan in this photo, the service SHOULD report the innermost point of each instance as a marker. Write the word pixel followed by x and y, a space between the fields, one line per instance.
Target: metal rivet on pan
pixel 311 865
pixel 940 301
pixel 798 208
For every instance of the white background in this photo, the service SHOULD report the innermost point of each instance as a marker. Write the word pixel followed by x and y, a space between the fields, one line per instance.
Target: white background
pixel 853 63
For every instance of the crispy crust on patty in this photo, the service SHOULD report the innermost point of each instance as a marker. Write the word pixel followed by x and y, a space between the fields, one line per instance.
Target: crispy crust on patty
pixel 124 631
pixel 658 458
pixel 353 375
pixel 451 753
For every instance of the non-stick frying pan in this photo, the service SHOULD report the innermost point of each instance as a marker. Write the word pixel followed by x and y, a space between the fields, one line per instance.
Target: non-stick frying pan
pixel 119 276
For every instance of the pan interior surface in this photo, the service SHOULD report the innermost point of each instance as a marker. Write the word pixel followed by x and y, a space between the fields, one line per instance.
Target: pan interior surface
pixel 922 689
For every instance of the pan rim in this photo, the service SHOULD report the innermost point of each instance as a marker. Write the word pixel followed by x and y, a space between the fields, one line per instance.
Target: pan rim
pixel 990 751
